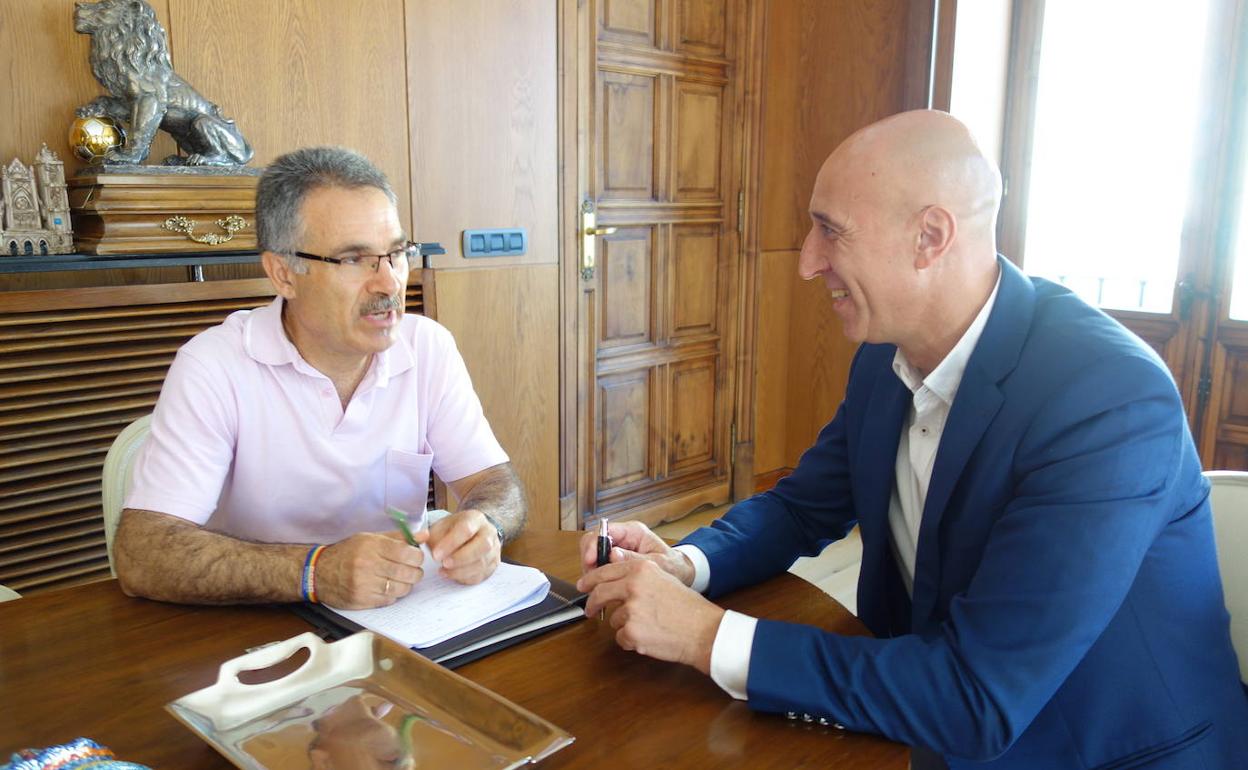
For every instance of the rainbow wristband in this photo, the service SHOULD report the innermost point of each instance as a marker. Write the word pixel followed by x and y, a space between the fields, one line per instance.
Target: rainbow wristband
pixel 309 573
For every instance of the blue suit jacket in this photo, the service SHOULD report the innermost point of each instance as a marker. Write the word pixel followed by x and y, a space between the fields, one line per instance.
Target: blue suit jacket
pixel 1067 609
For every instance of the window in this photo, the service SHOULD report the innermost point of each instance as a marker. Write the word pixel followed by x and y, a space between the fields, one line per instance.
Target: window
pixel 1123 136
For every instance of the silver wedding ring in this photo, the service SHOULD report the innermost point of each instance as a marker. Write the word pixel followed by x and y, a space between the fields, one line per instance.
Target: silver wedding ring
pixel 386 590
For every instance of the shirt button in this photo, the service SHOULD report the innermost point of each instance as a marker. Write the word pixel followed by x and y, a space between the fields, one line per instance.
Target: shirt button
pixel 838 725
pixel 823 721
pixel 807 718
pixel 790 715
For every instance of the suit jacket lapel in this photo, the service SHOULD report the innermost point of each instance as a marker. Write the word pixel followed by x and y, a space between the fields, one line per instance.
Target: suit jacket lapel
pixel 976 404
pixel 884 606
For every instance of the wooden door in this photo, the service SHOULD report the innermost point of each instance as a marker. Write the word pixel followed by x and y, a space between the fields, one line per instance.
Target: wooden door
pixel 659 156
pixel 1224 435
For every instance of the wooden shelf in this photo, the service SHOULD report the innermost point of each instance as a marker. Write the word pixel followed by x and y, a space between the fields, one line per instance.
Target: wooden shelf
pixel 52 263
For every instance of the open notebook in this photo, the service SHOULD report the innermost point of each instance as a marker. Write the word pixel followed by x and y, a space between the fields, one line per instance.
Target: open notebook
pixel 438 608
pixel 461 624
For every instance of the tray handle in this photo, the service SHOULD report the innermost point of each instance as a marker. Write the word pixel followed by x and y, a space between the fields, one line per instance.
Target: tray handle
pixel 229 702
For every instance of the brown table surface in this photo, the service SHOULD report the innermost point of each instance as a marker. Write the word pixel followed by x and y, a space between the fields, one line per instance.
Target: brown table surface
pixel 90 661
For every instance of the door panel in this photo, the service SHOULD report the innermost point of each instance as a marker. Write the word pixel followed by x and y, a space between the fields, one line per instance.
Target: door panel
pixel 691 441
pixel 701 27
pixel 698 123
pixel 627 289
pixel 662 167
pixel 627 135
pixel 627 21
pixel 695 281
pixel 624 436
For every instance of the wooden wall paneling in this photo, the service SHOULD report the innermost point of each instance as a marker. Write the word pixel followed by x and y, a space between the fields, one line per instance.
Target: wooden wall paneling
pixel 482 95
pixel 47 75
pixel 771 398
pixel 752 62
pixel 300 74
pixel 819 358
pixel 573 99
pixel 779 227
pixel 831 68
pixel 503 320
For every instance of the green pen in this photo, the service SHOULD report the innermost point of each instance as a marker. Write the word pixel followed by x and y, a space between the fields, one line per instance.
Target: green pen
pixel 400 520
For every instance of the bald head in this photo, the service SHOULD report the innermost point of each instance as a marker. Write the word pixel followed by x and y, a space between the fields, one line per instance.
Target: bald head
pixel 903 214
pixel 916 159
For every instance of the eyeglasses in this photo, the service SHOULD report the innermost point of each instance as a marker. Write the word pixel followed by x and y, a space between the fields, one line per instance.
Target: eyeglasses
pixel 399 259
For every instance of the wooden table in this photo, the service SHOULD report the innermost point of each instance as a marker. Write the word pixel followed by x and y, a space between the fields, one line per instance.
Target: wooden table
pixel 90 661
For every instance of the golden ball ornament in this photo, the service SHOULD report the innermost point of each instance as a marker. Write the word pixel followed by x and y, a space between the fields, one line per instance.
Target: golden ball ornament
pixel 92 138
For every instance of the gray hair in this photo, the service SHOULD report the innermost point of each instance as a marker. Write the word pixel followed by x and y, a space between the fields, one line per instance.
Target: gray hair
pixel 287 181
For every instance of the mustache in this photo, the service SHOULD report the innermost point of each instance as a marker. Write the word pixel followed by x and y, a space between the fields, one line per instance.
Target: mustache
pixel 383 305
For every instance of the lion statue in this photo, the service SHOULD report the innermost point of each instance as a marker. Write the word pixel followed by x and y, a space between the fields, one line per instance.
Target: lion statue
pixel 130 58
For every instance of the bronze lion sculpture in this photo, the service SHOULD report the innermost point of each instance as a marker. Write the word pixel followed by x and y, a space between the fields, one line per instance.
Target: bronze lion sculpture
pixel 130 58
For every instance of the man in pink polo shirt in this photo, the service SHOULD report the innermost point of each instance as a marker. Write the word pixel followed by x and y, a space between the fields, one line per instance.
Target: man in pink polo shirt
pixel 282 435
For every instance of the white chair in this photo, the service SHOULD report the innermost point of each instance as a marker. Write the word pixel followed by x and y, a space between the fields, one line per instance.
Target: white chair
pixel 8 594
pixel 1229 499
pixel 116 476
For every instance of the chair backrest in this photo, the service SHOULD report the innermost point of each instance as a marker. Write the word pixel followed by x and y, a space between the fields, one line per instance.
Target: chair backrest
pixel 1229 499
pixel 115 482
pixel 7 594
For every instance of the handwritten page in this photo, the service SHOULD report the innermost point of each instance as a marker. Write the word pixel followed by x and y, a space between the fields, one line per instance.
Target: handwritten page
pixel 439 608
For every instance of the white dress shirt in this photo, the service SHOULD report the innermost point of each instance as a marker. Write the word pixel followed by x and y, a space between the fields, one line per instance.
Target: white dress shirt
pixel 916 453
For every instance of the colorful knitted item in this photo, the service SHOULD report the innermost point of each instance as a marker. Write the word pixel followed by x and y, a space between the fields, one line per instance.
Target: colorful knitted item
pixel 78 754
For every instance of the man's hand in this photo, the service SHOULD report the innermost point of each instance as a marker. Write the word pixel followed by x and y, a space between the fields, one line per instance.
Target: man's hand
pixel 654 613
pixel 466 544
pixel 370 569
pixel 637 540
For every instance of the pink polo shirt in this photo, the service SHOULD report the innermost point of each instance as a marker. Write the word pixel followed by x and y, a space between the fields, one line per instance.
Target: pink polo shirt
pixel 248 439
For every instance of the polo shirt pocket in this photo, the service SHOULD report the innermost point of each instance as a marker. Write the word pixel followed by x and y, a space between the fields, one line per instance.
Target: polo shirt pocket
pixel 407 482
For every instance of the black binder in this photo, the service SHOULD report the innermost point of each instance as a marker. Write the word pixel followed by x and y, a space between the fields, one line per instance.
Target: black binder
pixel 556 609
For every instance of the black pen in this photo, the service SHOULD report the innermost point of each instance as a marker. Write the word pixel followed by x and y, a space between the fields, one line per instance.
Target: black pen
pixel 604 554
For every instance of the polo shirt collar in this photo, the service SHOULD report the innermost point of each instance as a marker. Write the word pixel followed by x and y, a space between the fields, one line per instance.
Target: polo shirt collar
pixel 265 340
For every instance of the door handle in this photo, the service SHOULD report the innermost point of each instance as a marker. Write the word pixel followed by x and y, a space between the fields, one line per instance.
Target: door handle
pixel 1188 293
pixel 589 233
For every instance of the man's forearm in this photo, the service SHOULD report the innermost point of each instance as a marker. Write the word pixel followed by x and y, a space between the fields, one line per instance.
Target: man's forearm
pixel 498 494
pixel 162 557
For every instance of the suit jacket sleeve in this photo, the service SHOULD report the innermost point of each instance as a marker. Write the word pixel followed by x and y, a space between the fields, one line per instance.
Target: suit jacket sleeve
pixel 763 536
pixel 1093 480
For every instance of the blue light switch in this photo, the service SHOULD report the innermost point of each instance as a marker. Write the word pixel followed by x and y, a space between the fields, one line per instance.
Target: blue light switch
pixel 496 242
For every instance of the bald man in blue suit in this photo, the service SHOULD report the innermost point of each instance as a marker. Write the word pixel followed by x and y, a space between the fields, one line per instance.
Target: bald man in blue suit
pixel 1038 559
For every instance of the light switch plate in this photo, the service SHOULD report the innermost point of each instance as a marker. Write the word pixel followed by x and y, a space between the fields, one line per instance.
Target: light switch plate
pixel 496 242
